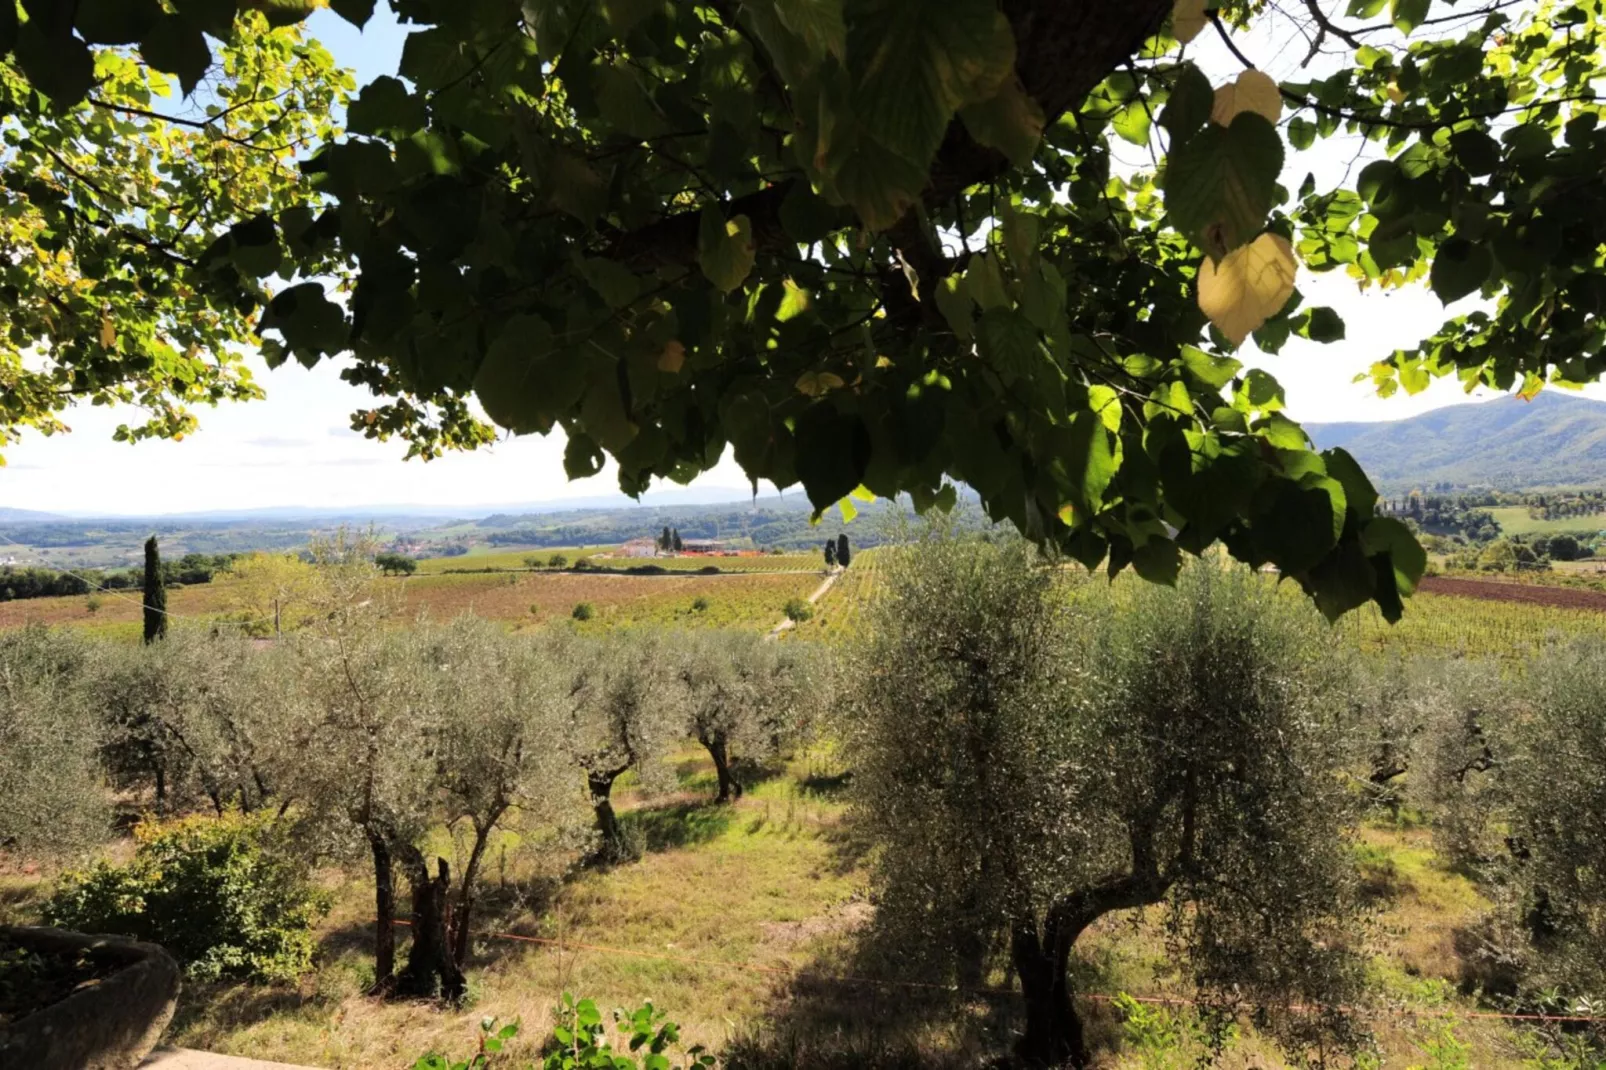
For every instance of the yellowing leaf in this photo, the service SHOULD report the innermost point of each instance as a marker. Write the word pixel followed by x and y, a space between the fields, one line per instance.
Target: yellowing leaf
pixel 108 331
pixel 795 302
pixel 725 249
pixel 1253 91
pixel 1187 19
pixel 816 383
pixel 1247 286
pixel 673 357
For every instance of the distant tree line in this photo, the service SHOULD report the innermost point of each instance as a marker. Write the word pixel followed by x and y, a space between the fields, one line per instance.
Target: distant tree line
pixel 40 582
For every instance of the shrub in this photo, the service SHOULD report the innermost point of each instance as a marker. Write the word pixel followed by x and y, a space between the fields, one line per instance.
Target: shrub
pixel 582 1039
pixel 557 561
pixel 708 570
pixel 223 895
pixel 700 604
pixel 799 610
pixel 583 611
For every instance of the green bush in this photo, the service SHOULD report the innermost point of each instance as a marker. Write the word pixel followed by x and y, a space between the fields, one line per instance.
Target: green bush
pixel 583 611
pixel 223 895
pixel 557 561
pixel 700 604
pixel 799 610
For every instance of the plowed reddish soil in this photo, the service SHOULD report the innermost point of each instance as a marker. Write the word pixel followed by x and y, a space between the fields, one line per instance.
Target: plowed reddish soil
pixel 1531 593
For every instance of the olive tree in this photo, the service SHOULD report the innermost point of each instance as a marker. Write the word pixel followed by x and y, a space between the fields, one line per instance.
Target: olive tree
pixel 627 706
pixel 1550 799
pixel 1031 759
pixel 55 798
pixel 746 692
pixel 500 707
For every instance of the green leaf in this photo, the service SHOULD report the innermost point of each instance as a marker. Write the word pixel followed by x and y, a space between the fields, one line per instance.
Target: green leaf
pixel 954 302
pixel 1364 9
pixel 1088 461
pixel 1158 561
pixel 911 72
pixel 624 15
pixel 356 12
pixel 1321 324
pixel 582 457
pixel 175 47
pixel 434 58
pixel 615 283
pixel 1132 122
pixel 1221 184
pixel 1214 372
pixel 1008 342
pixel 818 22
pixel 1188 107
pixel 385 107
pixel 1359 494
pixel 984 281
pixel 1386 535
pixel 307 319
pixel 61 67
pixel 725 249
pixel 832 451
pixel 1475 151
pixel 1010 121
pixel 1301 133
pixel 8 27
pixel 1459 268
pixel 1407 15
pixel 805 215
pixel 115 22
pixel 625 104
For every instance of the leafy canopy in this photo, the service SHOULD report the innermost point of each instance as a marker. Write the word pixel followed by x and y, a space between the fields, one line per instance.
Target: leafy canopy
pixel 869 245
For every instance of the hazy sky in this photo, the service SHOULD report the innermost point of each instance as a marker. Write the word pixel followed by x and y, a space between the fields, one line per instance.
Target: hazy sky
pixel 295 448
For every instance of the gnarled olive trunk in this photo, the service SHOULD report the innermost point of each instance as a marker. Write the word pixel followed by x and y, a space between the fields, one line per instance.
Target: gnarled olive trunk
pixel 431 970
pixel 730 789
pixel 465 895
pixel 384 913
pixel 613 841
pixel 1054 1035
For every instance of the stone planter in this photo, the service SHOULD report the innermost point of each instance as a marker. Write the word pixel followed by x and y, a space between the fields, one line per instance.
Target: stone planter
pixel 111 1025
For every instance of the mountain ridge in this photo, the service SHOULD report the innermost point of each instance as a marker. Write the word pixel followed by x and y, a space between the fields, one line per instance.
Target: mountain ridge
pixel 1556 439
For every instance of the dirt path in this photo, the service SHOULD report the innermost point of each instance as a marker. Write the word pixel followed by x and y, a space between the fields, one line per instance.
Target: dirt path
pixel 819 593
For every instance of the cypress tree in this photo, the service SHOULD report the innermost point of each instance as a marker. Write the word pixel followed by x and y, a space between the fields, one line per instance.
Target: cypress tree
pixel 675 534
pixel 155 594
pixel 830 553
pixel 843 555
pixel 665 541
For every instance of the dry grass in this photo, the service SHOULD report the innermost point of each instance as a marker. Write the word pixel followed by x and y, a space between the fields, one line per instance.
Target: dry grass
pixel 757 883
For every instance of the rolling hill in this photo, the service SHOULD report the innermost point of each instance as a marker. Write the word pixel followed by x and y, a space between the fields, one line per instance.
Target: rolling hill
pixel 1555 440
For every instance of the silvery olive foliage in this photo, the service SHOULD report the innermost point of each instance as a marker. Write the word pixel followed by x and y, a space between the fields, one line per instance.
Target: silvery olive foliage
pixel 55 799
pixel 1033 755
pixel 748 698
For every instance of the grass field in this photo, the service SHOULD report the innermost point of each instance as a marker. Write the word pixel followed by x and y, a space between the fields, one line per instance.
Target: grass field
pixel 1514 520
pixel 741 921
pixel 604 557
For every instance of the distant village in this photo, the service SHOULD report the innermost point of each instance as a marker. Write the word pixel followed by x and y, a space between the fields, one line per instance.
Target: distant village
pixel 668 543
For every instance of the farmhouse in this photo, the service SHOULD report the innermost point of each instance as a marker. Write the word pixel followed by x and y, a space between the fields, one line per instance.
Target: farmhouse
pixel 639 548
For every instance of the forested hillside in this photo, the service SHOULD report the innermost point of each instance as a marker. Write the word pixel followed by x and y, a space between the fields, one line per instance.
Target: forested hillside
pixel 1555 440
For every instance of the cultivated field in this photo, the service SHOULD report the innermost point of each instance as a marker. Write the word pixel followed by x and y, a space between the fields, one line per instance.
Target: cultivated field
pixel 1514 520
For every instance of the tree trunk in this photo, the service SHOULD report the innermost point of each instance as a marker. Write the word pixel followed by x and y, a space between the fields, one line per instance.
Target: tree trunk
pixel 613 842
pixel 430 971
pixel 730 788
pixel 161 787
pixel 384 913
pixel 465 896
pixel 1053 1034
